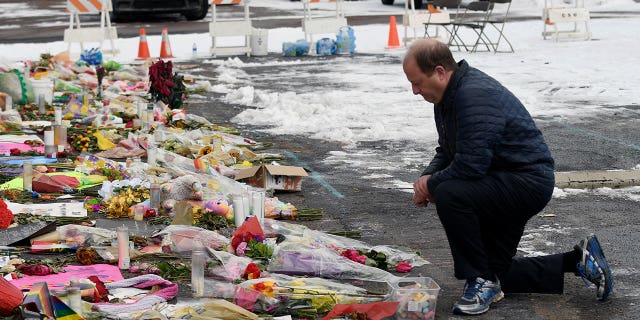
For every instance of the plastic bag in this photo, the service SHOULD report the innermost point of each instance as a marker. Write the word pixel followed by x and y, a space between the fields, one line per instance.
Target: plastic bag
pixel 92 56
pixel 295 49
pixel 16 86
pixel 325 47
pixel 345 41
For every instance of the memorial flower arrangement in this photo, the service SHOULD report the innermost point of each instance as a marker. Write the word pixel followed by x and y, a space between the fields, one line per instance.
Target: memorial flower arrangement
pixel 165 85
pixel 6 216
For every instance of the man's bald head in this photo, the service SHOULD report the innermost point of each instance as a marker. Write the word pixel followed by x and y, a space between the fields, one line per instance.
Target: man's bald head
pixel 429 53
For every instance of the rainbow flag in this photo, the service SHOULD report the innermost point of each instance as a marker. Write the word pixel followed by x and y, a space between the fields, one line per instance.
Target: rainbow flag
pixel 41 301
pixel 62 310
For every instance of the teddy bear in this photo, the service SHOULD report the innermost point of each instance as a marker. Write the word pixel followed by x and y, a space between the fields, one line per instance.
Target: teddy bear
pixel 185 187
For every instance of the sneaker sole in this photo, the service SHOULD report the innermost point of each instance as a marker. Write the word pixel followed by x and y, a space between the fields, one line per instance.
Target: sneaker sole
pixel 498 298
pixel 594 248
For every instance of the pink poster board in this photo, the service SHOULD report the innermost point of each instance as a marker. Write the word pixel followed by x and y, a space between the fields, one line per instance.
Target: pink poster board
pixel 104 272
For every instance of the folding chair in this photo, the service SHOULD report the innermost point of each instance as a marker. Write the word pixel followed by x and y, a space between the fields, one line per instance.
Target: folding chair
pixel 475 17
pixel 497 20
pixel 440 17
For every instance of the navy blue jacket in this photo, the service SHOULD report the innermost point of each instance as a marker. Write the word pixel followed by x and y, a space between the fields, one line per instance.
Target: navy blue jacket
pixel 482 127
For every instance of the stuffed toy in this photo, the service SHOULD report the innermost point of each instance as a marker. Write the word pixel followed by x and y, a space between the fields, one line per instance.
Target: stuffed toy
pixel 219 207
pixel 186 187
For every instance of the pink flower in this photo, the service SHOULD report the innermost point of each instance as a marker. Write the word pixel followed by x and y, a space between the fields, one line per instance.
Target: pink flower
pixel 241 248
pixel 354 255
pixel 403 266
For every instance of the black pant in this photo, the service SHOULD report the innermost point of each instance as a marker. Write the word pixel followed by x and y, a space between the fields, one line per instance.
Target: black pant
pixel 484 220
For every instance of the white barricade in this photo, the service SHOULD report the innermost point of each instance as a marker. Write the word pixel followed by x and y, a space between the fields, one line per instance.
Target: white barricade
pixel 77 34
pixel 412 19
pixel 230 28
pixel 553 15
pixel 322 24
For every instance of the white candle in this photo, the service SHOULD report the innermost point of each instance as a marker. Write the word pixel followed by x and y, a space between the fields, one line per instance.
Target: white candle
pixel 238 209
pixel 198 266
pixel 151 156
pixel 256 204
pixel 8 103
pixel 123 247
pixel 246 203
pixel 58 115
pixel 48 138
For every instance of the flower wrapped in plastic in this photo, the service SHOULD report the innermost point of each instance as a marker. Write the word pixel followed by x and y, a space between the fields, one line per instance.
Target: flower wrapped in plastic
pixel 385 255
pixel 180 239
pixel 309 297
pixel 303 258
pixel 229 267
pixel 245 297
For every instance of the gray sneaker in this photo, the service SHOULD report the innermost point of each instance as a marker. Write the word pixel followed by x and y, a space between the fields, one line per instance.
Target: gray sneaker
pixel 478 296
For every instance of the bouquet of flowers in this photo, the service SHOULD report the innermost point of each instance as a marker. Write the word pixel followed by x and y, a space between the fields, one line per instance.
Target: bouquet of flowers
pixel 166 86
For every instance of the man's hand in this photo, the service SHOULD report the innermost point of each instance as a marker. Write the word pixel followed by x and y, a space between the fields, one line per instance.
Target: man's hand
pixel 421 195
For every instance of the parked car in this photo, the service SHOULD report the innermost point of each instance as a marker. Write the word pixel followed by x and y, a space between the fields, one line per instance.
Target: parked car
pixel 418 3
pixel 191 9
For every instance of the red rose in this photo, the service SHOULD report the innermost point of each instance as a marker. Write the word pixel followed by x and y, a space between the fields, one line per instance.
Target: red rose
pixel 35 269
pixel 14 151
pixel 3 205
pixel 150 213
pixel 403 267
pixel 6 217
pixel 252 272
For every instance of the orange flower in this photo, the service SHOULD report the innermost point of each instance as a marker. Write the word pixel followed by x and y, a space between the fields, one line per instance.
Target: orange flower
pixel 265 287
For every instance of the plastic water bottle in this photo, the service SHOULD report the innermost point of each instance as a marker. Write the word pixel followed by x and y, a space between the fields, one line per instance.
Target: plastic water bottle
pixel 194 50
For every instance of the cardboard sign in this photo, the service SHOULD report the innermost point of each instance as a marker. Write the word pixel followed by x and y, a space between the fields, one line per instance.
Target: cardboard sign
pixel 273 177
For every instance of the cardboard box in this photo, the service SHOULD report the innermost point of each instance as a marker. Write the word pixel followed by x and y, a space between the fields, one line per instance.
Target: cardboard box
pixel 273 177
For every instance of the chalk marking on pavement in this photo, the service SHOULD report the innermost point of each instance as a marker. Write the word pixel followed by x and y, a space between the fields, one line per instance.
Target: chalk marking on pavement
pixel 601 136
pixel 314 175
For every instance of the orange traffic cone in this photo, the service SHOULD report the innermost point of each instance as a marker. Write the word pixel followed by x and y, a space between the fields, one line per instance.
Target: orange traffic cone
pixel 393 42
pixel 143 47
pixel 165 48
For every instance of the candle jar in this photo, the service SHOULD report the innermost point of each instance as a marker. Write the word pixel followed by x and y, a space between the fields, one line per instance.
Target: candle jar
pixel 155 193
pixel 60 136
pixel 8 103
pixel 123 247
pixel 57 115
pixel 41 105
pixel 238 210
pixel 27 175
pixel 138 213
pixel 151 156
pixel 198 265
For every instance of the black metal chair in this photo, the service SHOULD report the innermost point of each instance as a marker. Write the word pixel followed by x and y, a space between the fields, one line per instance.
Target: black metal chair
pixel 475 17
pixel 498 20
pixel 444 19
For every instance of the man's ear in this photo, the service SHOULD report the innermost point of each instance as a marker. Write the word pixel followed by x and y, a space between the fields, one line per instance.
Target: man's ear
pixel 441 71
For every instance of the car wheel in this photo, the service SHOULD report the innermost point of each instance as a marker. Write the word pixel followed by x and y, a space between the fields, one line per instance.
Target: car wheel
pixel 200 14
pixel 115 15
pixel 387 2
